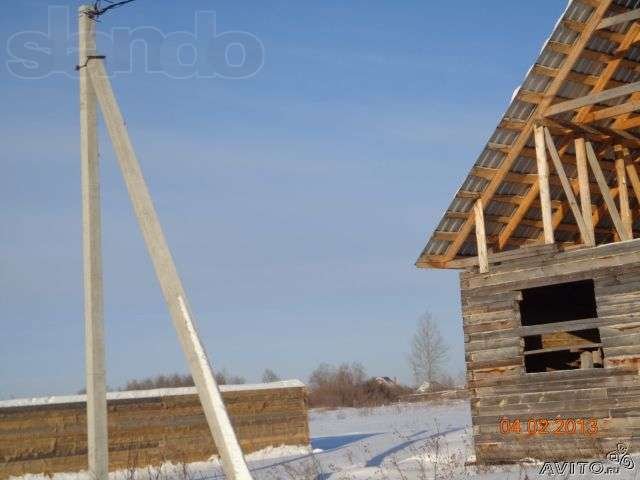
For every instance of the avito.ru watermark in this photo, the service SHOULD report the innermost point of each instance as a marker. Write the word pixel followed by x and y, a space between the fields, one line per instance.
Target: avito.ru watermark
pixel 617 460
pixel 202 53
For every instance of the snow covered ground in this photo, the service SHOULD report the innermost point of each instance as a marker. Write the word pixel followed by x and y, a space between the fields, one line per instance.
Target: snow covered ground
pixel 403 442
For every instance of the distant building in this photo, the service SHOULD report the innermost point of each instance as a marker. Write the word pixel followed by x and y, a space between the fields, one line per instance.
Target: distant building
pixel 428 387
pixel 388 381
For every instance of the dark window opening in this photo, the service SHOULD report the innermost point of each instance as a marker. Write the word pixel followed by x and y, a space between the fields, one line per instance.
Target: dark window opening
pixel 560 350
pixel 558 303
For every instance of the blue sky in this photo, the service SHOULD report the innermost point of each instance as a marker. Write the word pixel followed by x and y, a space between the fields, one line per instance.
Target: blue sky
pixel 295 201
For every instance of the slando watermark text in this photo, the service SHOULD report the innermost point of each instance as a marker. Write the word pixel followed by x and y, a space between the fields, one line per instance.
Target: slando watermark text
pixel 204 52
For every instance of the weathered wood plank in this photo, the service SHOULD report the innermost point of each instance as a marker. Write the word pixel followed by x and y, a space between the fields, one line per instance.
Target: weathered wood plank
pixel 491 326
pixel 606 195
pixel 491 343
pixel 566 186
pixel 580 268
pixel 481 237
pixel 585 190
pixel 599 97
pixel 544 379
pixel 495 355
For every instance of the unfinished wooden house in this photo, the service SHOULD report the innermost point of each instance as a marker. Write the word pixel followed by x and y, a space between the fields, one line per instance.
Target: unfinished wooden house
pixel 546 231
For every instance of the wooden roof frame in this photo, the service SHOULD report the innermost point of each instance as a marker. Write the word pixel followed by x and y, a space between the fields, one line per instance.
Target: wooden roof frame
pixel 596 106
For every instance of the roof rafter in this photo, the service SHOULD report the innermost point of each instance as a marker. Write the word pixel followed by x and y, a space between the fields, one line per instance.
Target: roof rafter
pixel 620 18
pixel 609 71
pixel 532 194
pixel 568 227
pixel 627 121
pixel 594 100
pixel 570 60
pixel 526 203
pixel 598 93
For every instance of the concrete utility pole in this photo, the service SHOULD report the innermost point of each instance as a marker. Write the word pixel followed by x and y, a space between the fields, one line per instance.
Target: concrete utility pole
pixel 225 439
pixel 97 441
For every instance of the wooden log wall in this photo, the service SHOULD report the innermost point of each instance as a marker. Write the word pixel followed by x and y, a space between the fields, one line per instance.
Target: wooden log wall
pixel 146 428
pixel 494 347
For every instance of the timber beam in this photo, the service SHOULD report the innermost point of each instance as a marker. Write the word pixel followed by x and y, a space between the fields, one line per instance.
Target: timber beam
pixel 614 20
pixel 592 99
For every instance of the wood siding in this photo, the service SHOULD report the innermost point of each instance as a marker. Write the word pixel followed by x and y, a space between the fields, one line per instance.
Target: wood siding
pixel 147 431
pixel 494 352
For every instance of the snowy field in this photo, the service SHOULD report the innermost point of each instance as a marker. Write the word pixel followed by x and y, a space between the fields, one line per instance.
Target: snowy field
pixel 403 442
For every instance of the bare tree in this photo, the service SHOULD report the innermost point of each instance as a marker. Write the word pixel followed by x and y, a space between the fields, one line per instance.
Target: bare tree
pixel 339 386
pixel 223 377
pixel 159 381
pixel 428 351
pixel 270 376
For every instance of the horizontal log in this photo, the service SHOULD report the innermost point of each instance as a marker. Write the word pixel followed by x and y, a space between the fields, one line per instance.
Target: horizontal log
pixel 495 354
pixel 145 428
pixel 492 343
pixel 575 347
pixel 485 388
pixel 544 379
